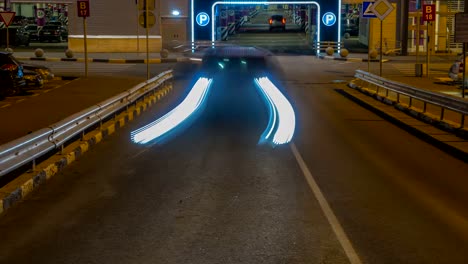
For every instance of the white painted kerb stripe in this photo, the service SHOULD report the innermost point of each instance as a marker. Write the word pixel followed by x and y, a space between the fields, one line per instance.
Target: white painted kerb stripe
pixel 335 224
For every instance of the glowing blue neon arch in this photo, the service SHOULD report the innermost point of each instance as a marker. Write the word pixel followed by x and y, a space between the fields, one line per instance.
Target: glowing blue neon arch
pixel 264 3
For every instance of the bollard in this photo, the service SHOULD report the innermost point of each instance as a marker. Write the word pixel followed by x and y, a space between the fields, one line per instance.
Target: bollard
pixel 344 53
pixel 39 53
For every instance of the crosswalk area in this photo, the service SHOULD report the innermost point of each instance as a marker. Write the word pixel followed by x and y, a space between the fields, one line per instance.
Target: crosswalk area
pixel 409 69
pixel 269 39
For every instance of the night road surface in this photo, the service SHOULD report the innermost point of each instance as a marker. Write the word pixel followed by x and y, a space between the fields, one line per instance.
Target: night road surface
pixel 211 194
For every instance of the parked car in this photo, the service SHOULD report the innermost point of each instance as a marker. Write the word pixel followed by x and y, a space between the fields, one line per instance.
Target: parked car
pixel 53 33
pixel 22 37
pixel 54 23
pixel 11 77
pixel 277 21
pixel 30 73
pixel 11 36
pixel 33 31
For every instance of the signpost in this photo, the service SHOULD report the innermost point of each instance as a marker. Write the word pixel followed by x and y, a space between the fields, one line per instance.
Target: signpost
pixel 84 12
pixel 147 20
pixel 367 13
pixel 7 18
pixel 461 35
pixel 429 15
pixel 381 8
pixel 429 12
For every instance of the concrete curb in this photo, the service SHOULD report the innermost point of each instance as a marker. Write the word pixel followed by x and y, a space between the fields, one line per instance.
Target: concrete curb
pixel 454 148
pixel 21 187
pixel 121 61
pixel 350 59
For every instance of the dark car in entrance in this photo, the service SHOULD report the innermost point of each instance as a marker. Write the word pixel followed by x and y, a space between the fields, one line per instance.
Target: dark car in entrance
pixel 277 22
pixel 53 33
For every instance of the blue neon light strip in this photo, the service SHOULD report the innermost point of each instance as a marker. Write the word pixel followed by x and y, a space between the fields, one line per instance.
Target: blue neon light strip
pixel 179 114
pixel 282 117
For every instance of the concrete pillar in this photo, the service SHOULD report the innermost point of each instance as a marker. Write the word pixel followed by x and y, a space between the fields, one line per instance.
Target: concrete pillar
pixel 402 29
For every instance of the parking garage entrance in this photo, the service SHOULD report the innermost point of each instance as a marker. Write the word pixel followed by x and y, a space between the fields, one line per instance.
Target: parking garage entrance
pixel 276 25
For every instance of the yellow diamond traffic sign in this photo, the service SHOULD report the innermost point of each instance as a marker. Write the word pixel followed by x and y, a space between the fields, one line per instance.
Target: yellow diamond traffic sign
pixel 381 8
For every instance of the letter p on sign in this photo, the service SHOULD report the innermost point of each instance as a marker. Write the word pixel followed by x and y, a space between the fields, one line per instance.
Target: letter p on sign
pixel 429 13
pixel 83 8
pixel 329 19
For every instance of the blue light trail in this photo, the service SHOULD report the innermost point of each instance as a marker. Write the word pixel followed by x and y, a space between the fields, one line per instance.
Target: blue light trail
pixel 282 115
pixel 179 114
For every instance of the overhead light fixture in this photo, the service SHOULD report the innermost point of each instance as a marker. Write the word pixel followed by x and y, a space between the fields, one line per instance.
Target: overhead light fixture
pixel 175 12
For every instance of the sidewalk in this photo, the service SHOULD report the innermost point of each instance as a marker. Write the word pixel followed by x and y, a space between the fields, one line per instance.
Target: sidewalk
pixel 37 112
pixel 140 57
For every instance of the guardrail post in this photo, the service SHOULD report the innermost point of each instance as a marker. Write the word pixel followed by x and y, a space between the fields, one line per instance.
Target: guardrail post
pixel 33 165
pixel 442 112
pixel 410 101
pixel 386 93
pixel 462 122
pixel 424 107
pixel 398 97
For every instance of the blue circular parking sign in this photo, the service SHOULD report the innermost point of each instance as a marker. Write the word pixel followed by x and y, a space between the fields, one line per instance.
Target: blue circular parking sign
pixel 329 19
pixel 203 19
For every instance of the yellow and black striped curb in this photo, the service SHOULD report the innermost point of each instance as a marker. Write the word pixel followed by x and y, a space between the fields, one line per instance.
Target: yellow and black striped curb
pixel 19 188
pixel 454 148
pixel 121 61
pixel 351 59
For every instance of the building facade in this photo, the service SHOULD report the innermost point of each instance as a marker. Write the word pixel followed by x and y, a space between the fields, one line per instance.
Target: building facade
pixel 115 25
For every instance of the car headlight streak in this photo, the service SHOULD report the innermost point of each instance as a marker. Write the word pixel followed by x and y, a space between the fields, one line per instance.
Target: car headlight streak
pixel 185 109
pixel 282 115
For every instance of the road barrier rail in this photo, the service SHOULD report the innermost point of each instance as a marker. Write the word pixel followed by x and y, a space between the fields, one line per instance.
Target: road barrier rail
pixel 445 102
pixel 27 149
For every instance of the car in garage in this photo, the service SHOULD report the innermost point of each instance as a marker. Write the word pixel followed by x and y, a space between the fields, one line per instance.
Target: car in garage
pixel 277 22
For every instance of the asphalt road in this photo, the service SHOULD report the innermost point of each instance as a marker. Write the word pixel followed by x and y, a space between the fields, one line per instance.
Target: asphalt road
pixel 211 194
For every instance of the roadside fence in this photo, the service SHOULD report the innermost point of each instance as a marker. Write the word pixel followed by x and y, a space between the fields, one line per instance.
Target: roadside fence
pixel 26 150
pixel 447 111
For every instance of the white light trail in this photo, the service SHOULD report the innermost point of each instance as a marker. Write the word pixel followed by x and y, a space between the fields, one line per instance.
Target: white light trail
pixel 281 113
pixel 179 114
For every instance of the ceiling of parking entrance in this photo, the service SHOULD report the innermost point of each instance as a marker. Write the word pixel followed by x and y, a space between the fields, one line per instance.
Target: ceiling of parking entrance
pixel 352 1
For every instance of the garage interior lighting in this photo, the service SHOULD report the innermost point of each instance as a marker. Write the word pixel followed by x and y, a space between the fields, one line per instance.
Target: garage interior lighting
pixel 178 115
pixel 282 123
pixel 192 11
pixel 213 7
pixel 175 12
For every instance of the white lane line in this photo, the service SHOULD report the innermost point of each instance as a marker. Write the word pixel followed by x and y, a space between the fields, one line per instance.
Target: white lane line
pixel 335 224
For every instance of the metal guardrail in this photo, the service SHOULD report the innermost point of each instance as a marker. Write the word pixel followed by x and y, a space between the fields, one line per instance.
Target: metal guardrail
pixel 427 97
pixel 27 149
